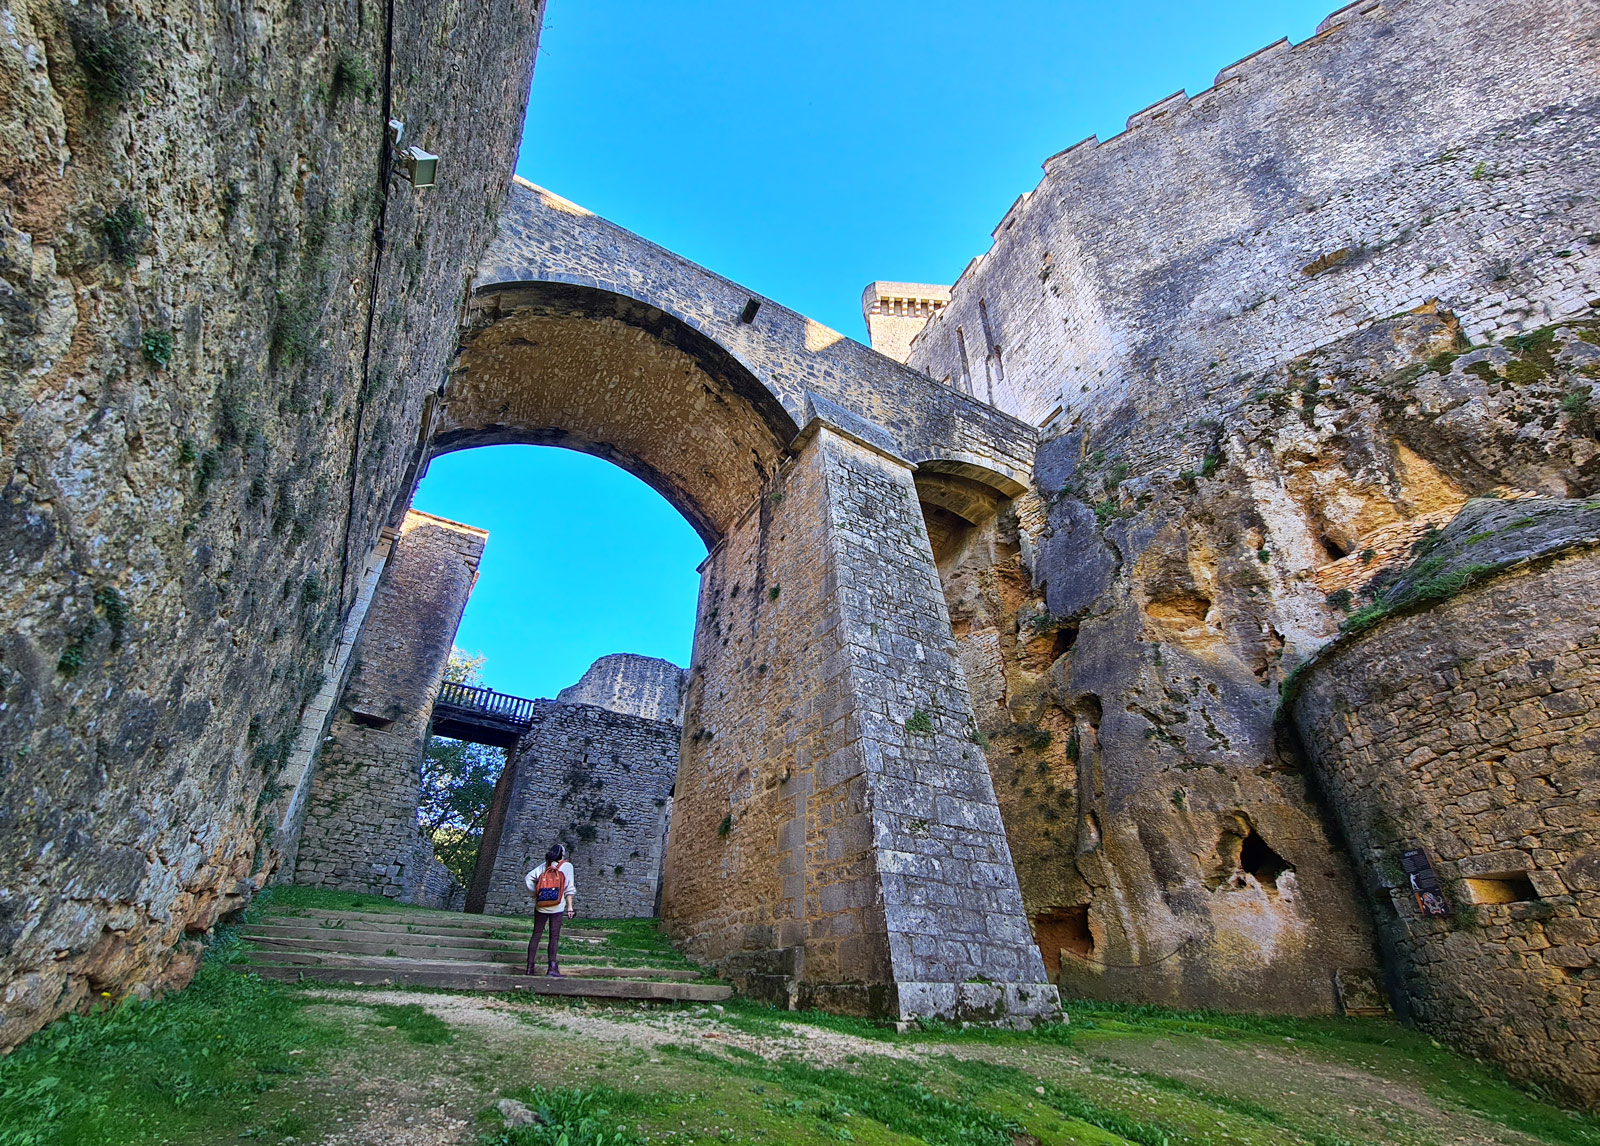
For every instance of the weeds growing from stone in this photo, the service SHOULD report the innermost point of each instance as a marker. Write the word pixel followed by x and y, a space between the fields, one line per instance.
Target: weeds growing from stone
pixel 157 347
pixel 124 232
pixel 112 56
pixel 351 76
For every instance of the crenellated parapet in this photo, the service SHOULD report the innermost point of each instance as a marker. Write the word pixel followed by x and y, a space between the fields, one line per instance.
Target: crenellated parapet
pixel 1405 153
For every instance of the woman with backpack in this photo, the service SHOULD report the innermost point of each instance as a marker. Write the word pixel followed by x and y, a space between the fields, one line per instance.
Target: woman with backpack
pixel 551 884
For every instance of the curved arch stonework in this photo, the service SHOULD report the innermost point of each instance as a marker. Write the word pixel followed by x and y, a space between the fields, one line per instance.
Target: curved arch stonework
pixel 835 838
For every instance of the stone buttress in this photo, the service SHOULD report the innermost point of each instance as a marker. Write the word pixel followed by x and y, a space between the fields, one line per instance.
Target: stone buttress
pixel 836 840
pixel 360 830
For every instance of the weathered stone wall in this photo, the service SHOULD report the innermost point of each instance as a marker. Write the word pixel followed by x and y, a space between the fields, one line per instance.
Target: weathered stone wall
pixel 204 424
pixel 1409 151
pixel 360 831
pixel 600 782
pixel 1471 730
pixel 626 682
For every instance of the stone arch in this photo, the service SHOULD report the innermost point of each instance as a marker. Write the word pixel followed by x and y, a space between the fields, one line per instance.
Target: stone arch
pixel 958 496
pixel 552 363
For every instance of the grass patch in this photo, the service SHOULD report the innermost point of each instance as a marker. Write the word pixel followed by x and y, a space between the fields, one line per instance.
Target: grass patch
pixel 112 56
pixel 283 898
pixel 574 1116
pixel 415 1021
pixel 894 1094
pixel 1395 1050
pixel 1434 586
pixel 1146 1132
pixel 197 1066
pixel 125 233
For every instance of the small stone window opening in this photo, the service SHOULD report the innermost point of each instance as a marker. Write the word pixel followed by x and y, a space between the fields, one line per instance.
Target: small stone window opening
pixel 1063 929
pixel 1502 887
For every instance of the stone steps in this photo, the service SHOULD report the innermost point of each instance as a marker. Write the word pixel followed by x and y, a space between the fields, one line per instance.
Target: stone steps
pixel 449 950
pixel 270 957
pixel 396 937
pixel 423 923
pixel 380 975
pixel 423 947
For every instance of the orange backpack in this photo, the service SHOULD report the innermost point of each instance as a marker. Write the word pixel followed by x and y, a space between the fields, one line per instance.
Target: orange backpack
pixel 550 888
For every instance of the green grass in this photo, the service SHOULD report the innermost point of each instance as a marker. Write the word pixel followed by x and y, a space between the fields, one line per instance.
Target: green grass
pixel 1447 1076
pixel 823 1101
pixel 571 1116
pixel 415 1021
pixel 276 899
pixel 233 1059
pixel 198 1066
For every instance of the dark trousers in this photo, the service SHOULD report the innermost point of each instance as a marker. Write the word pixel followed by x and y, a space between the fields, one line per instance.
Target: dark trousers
pixel 554 918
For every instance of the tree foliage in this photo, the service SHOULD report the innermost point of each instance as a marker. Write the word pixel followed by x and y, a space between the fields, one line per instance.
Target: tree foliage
pixel 458 781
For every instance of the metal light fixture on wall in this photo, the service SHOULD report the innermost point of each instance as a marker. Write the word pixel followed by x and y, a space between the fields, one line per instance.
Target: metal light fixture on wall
pixel 421 167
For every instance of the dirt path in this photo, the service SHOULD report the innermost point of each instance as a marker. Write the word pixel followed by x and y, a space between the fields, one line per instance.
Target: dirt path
pixel 431 1095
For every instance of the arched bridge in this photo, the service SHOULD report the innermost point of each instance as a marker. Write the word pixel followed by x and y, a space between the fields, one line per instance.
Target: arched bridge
pixel 835 838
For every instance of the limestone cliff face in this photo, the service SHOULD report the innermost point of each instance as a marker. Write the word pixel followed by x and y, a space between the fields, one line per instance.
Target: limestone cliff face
pixel 1125 634
pixel 1273 334
pixel 220 319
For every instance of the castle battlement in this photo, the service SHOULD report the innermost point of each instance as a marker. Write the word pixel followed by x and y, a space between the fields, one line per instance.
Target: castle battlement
pixel 1404 153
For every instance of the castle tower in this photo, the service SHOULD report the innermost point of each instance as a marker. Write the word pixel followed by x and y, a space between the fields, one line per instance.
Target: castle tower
pixel 895 312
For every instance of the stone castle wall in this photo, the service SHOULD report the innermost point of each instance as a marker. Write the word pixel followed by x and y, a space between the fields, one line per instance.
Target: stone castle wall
pixel 360 831
pixel 626 682
pixel 1409 151
pixel 211 380
pixel 599 782
pixel 1471 731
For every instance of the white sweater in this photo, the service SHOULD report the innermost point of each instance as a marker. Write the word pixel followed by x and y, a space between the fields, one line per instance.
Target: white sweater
pixel 565 869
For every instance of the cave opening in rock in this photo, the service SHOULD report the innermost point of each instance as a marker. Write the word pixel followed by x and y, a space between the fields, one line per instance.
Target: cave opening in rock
pixel 1257 857
pixel 1332 548
pixel 1066 635
pixel 1063 930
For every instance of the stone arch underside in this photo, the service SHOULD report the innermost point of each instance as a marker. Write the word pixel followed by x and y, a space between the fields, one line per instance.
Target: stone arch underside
pixel 585 369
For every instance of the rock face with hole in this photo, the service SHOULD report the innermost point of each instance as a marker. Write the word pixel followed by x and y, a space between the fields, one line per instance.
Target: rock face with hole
pixel 1468 730
pixel 1259 387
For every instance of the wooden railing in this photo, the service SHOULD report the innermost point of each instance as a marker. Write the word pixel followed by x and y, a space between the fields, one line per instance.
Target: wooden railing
pixel 485 702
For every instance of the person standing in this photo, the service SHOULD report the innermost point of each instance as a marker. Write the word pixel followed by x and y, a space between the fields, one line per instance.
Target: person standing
pixel 551 884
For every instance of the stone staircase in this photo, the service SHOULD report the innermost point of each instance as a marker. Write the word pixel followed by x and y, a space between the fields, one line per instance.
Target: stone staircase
pixel 420 948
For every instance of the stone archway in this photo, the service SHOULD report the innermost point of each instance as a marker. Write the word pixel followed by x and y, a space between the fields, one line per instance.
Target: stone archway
pixel 835 839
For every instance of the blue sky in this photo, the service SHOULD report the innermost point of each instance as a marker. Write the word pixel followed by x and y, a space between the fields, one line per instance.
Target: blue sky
pixel 802 150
